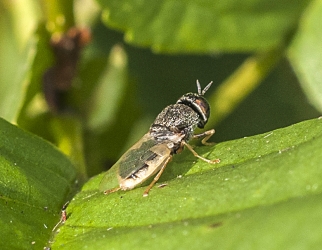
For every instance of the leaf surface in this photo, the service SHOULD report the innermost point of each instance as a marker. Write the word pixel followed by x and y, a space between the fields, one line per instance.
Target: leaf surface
pixel 306 54
pixel 17 50
pixel 35 180
pixel 204 26
pixel 266 187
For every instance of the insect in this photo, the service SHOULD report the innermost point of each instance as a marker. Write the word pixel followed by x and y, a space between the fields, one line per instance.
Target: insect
pixel 168 135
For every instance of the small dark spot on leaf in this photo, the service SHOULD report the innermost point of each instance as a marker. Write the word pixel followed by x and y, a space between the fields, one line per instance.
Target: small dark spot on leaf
pixel 217 224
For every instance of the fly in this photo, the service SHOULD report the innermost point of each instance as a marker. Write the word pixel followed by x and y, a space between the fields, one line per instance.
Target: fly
pixel 168 135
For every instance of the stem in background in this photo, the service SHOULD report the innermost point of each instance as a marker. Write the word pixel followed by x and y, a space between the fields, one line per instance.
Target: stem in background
pixel 68 132
pixel 241 83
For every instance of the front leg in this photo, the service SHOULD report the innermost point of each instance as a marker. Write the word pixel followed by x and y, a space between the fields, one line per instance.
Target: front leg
pixel 206 135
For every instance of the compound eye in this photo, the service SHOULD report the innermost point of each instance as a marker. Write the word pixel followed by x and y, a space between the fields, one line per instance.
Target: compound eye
pixel 204 107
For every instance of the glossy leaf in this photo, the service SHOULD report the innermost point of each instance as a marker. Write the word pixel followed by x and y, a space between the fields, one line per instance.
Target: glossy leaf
pixel 266 187
pixel 204 26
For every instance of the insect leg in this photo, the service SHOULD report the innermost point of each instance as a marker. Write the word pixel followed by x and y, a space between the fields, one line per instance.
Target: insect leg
pixel 198 156
pixel 206 135
pixel 112 190
pixel 156 178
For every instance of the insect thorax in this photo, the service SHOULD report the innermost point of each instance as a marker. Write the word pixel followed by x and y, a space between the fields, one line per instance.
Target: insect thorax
pixel 174 124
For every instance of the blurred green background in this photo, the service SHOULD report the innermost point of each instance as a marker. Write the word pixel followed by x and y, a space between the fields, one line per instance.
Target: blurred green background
pixel 263 56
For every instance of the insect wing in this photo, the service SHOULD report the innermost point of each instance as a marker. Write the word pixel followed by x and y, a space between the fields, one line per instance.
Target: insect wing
pixel 148 165
pixel 128 163
pixel 136 157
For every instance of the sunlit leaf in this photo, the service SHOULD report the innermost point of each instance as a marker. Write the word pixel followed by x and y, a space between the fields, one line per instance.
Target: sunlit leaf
pixel 266 187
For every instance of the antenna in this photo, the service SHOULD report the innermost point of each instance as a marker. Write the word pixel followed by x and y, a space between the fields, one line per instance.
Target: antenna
pixel 204 90
pixel 198 87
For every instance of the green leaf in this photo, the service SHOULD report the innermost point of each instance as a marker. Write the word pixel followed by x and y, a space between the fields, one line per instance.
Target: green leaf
pixel 35 180
pixel 109 91
pixel 204 26
pixel 17 44
pixel 266 187
pixel 306 54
